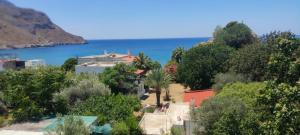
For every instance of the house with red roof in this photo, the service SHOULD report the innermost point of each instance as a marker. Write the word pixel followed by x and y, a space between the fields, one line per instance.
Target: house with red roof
pixel 196 97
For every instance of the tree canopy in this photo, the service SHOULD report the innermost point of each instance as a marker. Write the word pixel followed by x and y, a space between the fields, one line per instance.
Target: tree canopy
pixel 234 34
pixel 120 78
pixel 69 64
pixel 201 63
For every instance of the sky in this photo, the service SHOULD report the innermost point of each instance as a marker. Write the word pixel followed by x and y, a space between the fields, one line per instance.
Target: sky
pixel 133 19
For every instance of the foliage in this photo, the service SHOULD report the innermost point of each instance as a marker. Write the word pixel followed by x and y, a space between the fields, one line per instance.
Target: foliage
pixel 158 79
pixel 221 79
pixel 171 69
pixel 246 92
pixel 145 63
pixel 279 106
pixel 177 54
pixel 177 130
pixel 251 61
pixel 120 78
pixel 283 68
pixel 82 89
pixel 212 110
pixel 120 128
pixel 234 34
pixel 72 126
pixel 109 107
pixel 29 92
pixel 201 63
pixel 69 64
pixel 271 38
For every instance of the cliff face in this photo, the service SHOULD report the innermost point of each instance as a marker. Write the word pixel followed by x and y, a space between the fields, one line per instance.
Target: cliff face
pixel 20 28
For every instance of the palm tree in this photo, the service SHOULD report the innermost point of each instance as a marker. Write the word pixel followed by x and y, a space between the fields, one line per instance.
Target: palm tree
pixel 177 54
pixel 142 62
pixel 158 80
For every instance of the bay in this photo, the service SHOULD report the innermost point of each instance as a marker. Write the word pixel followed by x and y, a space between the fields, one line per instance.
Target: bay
pixel 157 49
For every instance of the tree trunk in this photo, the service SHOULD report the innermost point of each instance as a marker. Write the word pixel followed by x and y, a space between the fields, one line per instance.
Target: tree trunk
pixel 158 97
pixel 167 95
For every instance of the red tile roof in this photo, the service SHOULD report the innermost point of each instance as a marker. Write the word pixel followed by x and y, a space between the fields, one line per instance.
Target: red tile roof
pixel 197 96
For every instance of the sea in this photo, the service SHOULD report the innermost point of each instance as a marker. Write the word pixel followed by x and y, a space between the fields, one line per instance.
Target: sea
pixel 157 49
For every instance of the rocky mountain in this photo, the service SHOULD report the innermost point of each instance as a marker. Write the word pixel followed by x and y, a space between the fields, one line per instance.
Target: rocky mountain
pixel 21 27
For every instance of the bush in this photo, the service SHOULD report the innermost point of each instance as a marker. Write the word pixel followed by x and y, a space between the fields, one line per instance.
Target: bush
pixel 72 126
pixel 221 79
pixel 177 130
pixel 246 92
pixel 234 34
pixel 84 88
pixel 212 110
pixel 251 61
pixel 120 128
pixel 110 107
pixel 201 63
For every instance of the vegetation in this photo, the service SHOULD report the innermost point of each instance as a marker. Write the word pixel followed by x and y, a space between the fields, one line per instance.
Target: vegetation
pixel 251 61
pixel 244 107
pixel 279 109
pixel 221 79
pixel 82 89
pixel 201 63
pixel 158 80
pixel 177 54
pixel 29 92
pixel 72 125
pixel 120 78
pixel 234 34
pixel 113 109
pixel 69 64
pixel 145 63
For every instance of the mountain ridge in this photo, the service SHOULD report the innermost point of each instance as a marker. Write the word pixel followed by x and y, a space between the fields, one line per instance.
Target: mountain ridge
pixel 24 27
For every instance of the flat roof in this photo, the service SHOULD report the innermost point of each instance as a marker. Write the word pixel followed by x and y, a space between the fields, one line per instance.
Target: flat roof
pixel 197 96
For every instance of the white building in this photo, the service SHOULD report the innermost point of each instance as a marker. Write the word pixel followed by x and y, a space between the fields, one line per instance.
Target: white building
pixel 35 63
pixel 97 63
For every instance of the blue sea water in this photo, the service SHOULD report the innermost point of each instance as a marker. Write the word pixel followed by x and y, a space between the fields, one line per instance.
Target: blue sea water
pixel 157 49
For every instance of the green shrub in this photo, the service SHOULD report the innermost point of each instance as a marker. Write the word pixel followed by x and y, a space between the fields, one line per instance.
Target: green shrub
pixel 69 64
pixel 72 126
pixel 221 79
pixel 201 63
pixel 83 89
pixel 120 128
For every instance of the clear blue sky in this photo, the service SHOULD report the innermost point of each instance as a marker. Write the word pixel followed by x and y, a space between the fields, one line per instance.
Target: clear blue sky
pixel 114 19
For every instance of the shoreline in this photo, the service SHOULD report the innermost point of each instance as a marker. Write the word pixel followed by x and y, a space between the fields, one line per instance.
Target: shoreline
pixel 22 46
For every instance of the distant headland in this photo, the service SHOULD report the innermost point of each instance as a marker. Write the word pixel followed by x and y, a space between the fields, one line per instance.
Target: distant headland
pixel 23 28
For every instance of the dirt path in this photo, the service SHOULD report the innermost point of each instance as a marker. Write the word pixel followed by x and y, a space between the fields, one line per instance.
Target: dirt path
pixel 176 92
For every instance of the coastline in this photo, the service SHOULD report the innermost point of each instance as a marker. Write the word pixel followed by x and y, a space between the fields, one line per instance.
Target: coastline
pixel 21 46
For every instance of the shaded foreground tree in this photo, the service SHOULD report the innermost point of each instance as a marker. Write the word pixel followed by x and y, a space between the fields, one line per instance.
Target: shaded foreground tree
pixel 201 63
pixel 279 106
pixel 158 80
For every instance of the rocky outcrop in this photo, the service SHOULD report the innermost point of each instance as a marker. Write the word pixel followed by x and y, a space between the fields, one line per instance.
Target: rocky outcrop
pixel 21 27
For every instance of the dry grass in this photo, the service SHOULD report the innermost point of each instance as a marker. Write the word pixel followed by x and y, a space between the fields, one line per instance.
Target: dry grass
pixel 176 92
